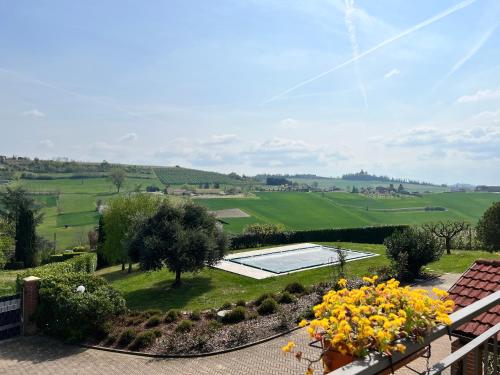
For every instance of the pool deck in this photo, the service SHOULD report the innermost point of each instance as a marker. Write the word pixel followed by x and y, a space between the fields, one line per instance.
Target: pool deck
pixel 259 274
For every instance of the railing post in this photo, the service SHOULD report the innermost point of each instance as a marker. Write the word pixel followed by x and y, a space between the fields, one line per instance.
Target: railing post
pixel 30 303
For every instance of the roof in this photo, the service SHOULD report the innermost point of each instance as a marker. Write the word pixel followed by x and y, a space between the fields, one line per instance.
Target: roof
pixel 479 281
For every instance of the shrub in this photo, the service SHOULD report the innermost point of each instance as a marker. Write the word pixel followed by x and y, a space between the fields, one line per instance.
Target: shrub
pixel 195 315
pixel 111 339
pixel 226 306
pixel 67 314
pixel 268 306
pixel 184 326
pixel 85 263
pixel 286 297
pixel 153 321
pixel 295 288
pixel 488 228
pixel 171 316
pixel 263 297
pixel 151 312
pixel 234 316
pixel 144 339
pixel 14 265
pixel 241 303
pixel 127 336
pixel 414 247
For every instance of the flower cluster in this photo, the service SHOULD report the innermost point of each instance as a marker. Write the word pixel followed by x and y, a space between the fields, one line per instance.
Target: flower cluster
pixel 375 316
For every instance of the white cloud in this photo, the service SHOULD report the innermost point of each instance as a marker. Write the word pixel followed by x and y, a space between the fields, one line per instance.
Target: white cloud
pixel 129 137
pixel 47 143
pixel 392 73
pixel 220 139
pixel 34 113
pixel 480 96
pixel 478 142
pixel 487 118
pixel 289 123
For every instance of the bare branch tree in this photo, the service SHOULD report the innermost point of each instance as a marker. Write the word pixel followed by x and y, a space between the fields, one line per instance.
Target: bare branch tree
pixel 447 230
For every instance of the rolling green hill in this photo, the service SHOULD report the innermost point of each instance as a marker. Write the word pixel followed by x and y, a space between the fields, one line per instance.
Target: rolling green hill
pixel 179 176
pixel 327 210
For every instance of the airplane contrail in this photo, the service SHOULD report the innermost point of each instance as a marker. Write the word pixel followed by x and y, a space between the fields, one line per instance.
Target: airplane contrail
pixel 409 31
pixel 467 56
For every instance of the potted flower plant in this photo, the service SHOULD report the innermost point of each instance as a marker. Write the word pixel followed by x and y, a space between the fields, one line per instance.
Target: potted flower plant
pixel 351 323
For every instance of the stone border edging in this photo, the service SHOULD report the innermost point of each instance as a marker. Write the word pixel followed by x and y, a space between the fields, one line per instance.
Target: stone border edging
pixel 179 356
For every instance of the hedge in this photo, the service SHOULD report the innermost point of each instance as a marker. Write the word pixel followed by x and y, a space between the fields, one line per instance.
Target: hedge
pixel 56 258
pixel 373 235
pixel 85 263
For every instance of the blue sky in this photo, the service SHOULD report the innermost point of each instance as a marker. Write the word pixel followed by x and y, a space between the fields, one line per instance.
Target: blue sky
pixel 408 89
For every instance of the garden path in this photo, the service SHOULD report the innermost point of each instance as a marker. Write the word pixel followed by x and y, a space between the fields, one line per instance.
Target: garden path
pixel 44 356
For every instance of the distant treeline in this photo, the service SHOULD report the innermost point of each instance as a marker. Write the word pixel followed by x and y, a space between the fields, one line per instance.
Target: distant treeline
pixel 489 189
pixel 263 177
pixel 24 164
pixel 365 176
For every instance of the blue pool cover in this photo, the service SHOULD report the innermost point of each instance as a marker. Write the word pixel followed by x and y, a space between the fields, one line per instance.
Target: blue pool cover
pixel 297 259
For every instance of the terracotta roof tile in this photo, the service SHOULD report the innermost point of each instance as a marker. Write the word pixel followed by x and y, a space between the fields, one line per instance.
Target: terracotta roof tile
pixel 481 280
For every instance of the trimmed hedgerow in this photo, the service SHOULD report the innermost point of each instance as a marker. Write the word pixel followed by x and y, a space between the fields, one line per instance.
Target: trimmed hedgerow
pixel 374 235
pixel 65 313
pixel 85 264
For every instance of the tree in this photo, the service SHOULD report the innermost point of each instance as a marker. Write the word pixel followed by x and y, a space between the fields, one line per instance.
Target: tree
pixel 117 177
pixel 401 188
pixel 25 237
pixel 13 200
pixel 410 249
pixel 101 259
pixel 6 242
pixel 117 220
pixel 447 230
pixel 488 228
pixel 183 238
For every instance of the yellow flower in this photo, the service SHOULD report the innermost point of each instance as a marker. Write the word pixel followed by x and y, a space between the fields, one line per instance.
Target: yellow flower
pixel 400 348
pixel 309 371
pixel 303 323
pixel 342 283
pixel 288 347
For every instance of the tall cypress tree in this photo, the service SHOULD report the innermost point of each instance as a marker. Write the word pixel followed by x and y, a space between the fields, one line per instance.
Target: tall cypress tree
pixel 101 259
pixel 25 250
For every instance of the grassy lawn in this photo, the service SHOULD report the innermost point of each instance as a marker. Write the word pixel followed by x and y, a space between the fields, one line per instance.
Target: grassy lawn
pixel 212 287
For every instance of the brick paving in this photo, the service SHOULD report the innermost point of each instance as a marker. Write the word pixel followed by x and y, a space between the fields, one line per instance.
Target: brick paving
pixel 44 356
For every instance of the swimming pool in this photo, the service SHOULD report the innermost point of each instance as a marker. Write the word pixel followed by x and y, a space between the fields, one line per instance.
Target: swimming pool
pixel 293 258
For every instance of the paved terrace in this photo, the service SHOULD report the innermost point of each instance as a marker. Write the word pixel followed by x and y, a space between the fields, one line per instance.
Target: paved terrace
pixel 40 355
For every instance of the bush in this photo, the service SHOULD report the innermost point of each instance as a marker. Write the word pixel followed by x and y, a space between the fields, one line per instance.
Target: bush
pixel 73 316
pixel 235 315
pixel 151 312
pixel 226 306
pixel 286 297
pixel 184 326
pixel 411 249
pixel 374 235
pixel 85 263
pixel 55 258
pixel 152 189
pixel 263 297
pixel 14 265
pixel 127 336
pixel 241 303
pixel 488 228
pixel 195 315
pixel 295 288
pixel 153 321
pixel 171 316
pixel 144 339
pixel 268 306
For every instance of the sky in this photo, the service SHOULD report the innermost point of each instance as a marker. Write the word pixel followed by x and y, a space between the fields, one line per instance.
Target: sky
pixel 399 88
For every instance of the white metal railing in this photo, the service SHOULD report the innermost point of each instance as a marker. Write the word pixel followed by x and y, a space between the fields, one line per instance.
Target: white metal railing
pixel 375 363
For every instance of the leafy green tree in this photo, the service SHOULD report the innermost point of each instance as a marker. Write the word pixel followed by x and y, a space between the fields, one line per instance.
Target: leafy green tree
pixel 411 249
pixel 101 259
pixel 183 238
pixel 13 200
pixel 118 218
pixel 488 228
pixel 117 177
pixel 446 230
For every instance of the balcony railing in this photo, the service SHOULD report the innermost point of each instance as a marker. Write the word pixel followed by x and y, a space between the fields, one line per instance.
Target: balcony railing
pixel 375 363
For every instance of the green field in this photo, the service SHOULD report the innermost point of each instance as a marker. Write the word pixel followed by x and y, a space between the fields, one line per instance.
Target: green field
pixel 335 210
pixel 69 205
